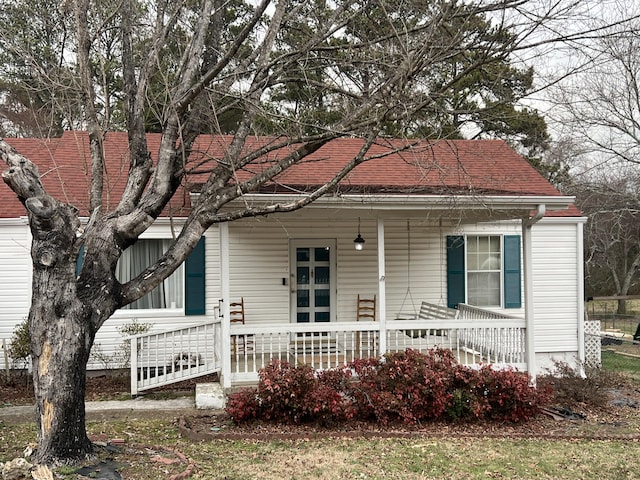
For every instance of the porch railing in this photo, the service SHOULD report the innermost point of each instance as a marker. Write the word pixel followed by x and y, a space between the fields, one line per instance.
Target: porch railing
pixel 168 357
pixel 475 337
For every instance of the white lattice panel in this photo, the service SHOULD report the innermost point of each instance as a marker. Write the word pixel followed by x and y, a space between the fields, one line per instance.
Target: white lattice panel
pixel 592 343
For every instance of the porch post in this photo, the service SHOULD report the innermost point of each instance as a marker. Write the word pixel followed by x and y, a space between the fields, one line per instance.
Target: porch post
pixel 382 299
pixel 225 342
pixel 527 259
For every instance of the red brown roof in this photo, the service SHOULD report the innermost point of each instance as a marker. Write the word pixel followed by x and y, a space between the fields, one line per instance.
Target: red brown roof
pixel 428 167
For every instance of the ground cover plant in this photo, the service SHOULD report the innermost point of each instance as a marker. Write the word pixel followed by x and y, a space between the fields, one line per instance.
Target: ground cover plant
pixel 407 387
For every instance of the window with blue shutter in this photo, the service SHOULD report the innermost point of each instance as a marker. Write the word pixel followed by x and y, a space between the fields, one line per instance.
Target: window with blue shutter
pixel 194 281
pixel 511 272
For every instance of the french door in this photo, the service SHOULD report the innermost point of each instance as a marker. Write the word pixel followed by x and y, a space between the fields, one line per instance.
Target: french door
pixel 313 295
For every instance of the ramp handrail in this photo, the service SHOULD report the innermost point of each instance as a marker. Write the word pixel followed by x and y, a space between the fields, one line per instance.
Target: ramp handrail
pixel 162 358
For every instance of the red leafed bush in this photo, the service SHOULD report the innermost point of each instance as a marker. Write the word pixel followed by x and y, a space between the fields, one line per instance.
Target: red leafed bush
pixel 404 387
pixel 287 393
pixel 243 406
pixel 409 386
pixel 509 394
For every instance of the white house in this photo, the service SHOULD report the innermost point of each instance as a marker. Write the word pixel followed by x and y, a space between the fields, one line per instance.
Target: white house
pixel 465 246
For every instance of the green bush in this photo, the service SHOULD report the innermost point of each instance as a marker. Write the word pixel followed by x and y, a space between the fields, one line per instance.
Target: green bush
pixel 19 349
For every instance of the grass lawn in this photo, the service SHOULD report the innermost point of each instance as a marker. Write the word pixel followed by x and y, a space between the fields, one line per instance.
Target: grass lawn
pixel 614 361
pixel 417 458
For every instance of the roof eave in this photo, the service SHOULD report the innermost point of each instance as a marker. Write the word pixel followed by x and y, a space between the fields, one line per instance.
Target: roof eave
pixel 421 202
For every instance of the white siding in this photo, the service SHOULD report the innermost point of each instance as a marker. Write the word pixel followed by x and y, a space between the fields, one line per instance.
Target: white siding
pixel 15 280
pixel 259 261
pixel 557 287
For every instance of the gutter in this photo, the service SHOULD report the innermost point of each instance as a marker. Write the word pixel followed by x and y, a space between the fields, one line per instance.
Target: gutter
pixel 541 210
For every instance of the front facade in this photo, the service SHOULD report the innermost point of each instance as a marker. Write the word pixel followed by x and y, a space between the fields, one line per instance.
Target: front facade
pixel 299 276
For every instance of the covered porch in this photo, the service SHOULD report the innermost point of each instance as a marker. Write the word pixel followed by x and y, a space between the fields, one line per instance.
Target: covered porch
pixel 402 265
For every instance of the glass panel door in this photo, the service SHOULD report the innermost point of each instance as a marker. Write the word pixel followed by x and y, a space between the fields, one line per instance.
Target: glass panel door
pixel 312 295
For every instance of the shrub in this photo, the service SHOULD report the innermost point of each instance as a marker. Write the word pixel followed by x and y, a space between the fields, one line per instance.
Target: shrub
pixel 406 386
pixel 409 386
pixel 287 393
pixel 19 349
pixel 570 386
pixel 509 394
pixel 242 405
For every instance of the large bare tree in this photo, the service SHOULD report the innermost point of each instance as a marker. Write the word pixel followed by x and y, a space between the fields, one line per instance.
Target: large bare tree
pixel 189 65
pixel 597 109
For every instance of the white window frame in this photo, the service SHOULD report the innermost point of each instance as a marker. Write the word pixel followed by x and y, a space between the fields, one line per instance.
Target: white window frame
pixel 500 268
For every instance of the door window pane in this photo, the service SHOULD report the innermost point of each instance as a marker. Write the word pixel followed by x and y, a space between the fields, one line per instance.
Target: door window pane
pixel 322 298
pixel 303 298
pixel 322 275
pixel 321 254
pixel 302 255
pixel 303 275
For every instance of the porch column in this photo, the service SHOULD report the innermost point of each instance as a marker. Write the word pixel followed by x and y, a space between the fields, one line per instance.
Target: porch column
pixel 527 261
pixel 225 341
pixel 382 299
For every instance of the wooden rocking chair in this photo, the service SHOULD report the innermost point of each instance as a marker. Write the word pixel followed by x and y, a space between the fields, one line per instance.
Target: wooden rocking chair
pixel 365 310
pixel 236 315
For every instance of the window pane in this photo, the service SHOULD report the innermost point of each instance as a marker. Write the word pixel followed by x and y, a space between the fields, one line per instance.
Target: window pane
pixel 322 275
pixel 302 254
pixel 303 298
pixel 169 294
pixel 321 254
pixel 484 289
pixel 303 317
pixel 322 317
pixel 322 298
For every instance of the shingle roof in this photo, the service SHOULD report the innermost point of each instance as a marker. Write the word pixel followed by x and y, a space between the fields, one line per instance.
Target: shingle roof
pixel 431 167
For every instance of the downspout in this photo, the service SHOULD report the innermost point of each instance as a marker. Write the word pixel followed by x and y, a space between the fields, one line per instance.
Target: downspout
pixel 527 253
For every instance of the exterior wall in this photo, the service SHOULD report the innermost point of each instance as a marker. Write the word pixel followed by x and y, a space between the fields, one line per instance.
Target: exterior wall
pixel 15 280
pixel 415 261
pixel 558 289
pixel 15 291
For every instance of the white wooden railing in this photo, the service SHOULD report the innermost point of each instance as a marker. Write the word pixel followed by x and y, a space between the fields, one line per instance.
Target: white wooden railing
pixel 168 357
pixel 475 337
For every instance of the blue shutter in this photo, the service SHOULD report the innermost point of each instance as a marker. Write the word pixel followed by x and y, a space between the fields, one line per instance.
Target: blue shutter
pixel 512 276
pixel 455 271
pixel 194 276
pixel 80 260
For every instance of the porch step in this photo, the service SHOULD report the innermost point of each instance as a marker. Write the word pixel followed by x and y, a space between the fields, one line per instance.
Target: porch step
pixel 210 396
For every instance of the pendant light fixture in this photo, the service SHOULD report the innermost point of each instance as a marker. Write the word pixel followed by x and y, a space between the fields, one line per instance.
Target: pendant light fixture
pixel 359 241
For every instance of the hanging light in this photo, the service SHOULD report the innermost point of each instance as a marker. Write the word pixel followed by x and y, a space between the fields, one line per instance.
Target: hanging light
pixel 358 243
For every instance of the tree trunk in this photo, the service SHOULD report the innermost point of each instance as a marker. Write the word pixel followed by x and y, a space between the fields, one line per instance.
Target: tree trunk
pixel 622 307
pixel 60 354
pixel 61 331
